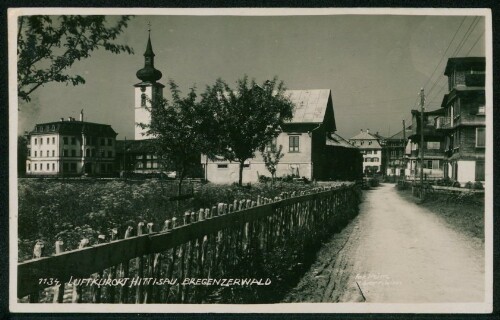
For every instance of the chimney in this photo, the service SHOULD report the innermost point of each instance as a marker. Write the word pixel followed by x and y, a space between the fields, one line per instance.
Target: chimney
pixel 69 118
pixel 62 119
pixel 367 130
pixel 81 115
pixel 361 130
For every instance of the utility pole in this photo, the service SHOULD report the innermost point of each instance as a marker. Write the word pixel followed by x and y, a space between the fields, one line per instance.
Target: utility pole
pixel 422 101
pixel 403 164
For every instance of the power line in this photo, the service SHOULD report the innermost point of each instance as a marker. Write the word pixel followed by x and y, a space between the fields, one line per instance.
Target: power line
pixel 466 36
pixel 444 53
pixel 480 36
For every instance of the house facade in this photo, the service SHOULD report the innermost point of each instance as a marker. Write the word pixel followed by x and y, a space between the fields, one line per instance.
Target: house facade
pixel 433 147
pixel 395 153
pixel 463 120
pixel 370 146
pixel 304 145
pixel 70 147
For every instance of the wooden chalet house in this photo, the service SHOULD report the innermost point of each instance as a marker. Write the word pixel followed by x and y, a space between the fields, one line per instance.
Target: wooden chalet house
pixel 463 120
pixel 310 146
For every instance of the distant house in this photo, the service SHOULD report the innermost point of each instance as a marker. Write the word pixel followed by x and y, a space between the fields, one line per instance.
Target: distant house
pixel 434 141
pixel 463 120
pixel 310 146
pixel 71 147
pixel 370 145
pixel 395 152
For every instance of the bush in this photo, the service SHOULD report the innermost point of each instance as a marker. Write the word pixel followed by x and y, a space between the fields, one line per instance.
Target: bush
pixel 478 186
pixel 469 185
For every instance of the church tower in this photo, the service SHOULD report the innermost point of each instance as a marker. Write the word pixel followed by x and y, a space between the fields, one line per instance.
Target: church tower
pixel 146 90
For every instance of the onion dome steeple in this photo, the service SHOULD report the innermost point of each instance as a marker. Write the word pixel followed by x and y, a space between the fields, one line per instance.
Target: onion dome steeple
pixel 149 73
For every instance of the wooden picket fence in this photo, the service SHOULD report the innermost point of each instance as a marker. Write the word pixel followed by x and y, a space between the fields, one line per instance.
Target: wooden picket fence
pixel 223 242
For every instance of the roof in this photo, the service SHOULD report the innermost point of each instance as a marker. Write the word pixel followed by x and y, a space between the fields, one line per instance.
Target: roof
pixel 335 140
pixel 74 127
pixel 365 135
pixel 478 63
pixel 310 105
pixel 436 112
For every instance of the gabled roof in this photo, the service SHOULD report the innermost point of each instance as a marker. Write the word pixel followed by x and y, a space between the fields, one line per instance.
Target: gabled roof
pixel 135 146
pixel 310 105
pixel 364 135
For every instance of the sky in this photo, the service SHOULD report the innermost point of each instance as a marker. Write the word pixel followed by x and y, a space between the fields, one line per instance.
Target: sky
pixel 374 65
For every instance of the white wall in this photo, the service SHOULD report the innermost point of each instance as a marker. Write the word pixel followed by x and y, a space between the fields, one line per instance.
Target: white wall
pixel 466 171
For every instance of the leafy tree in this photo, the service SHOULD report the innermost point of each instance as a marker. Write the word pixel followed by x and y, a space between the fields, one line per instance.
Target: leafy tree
pixel 244 120
pixel 22 154
pixel 272 158
pixel 47 46
pixel 173 126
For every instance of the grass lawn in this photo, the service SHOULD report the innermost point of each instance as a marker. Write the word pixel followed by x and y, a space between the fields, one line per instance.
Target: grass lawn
pixel 464 213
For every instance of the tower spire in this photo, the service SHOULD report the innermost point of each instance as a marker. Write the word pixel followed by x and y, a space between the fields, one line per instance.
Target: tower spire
pixel 149 73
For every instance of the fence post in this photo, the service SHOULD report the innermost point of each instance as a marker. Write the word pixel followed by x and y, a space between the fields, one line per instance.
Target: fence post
pixel 125 269
pixel 140 268
pixel 59 291
pixel 77 290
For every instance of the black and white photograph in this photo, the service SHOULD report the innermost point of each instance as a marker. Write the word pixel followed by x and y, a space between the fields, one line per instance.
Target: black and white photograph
pixel 250 160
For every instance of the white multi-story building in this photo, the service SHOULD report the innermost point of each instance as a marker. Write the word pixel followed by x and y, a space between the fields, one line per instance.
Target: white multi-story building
pixel 71 147
pixel 370 148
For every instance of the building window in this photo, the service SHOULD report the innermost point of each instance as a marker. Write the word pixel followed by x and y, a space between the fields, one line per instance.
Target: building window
pixel 65 153
pixel 293 144
pixel 73 140
pixel 481 110
pixel 29 166
pixel 271 146
pixel 369 142
pixel 87 153
pixel 375 159
pixel 103 168
pixel 48 153
pixel 29 152
pixel 41 141
pixel 102 142
pixel 110 154
pixel 480 137
pixel 93 152
pixel 73 153
pixel 48 140
pixel 53 140
pixel 140 165
pixel 65 167
pixel 53 153
pixel 222 166
pixel 479 170
pixel 103 154
pixel 155 165
pixel 35 167
pixel 143 99
pixel 48 167
pixel 65 140
pixel 110 168
pixel 138 157
pixel 35 153
pixel 110 142
pixel 53 167
pixel 433 145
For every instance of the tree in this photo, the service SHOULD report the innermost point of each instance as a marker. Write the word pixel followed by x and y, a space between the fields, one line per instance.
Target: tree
pixel 47 46
pixel 272 158
pixel 173 127
pixel 244 120
pixel 22 154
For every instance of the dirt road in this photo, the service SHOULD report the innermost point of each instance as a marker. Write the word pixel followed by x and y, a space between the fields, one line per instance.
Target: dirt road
pixel 395 251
